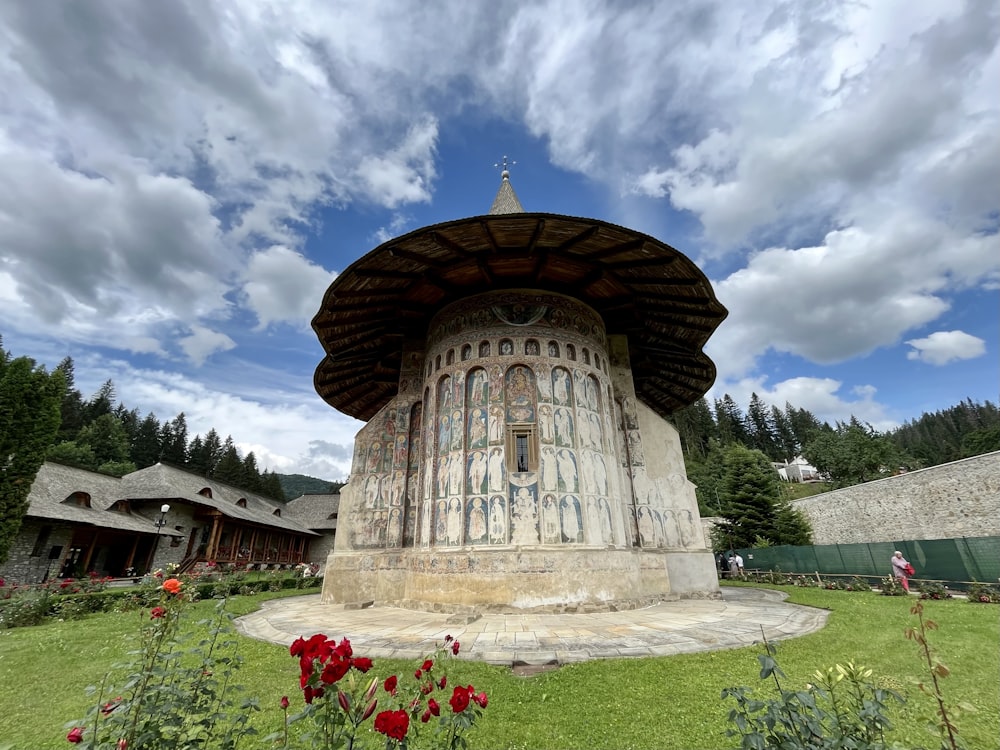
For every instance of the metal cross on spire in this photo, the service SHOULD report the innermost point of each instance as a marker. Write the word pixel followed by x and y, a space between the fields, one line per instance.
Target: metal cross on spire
pixel 505 173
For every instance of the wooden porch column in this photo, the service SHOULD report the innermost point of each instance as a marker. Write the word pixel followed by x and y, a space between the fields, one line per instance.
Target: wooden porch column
pixel 213 539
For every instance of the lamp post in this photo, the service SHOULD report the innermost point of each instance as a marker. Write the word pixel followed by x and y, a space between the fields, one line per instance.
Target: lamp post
pixel 159 523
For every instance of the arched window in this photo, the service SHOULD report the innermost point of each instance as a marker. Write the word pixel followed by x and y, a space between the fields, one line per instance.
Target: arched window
pixel 586 356
pixel 553 349
pixel 531 348
pixel 451 357
pixel 466 352
pixel 484 348
pixel 571 352
pixel 506 347
pixel 206 492
pixel 437 363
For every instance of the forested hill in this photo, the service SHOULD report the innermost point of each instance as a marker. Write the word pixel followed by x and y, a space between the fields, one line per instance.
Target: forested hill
pixel 300 484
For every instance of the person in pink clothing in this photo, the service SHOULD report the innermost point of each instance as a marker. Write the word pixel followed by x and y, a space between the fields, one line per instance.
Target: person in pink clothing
pixel 902 570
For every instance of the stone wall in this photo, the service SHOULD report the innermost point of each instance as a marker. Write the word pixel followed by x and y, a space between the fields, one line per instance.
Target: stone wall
pixel 959 499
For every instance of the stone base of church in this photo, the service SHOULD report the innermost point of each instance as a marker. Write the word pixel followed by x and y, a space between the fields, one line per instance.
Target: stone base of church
pixel 581 579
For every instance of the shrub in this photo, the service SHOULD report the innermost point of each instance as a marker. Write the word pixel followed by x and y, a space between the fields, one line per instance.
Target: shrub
pixel 842 709
pixel 981 593
pixel 934 590
pixel 890 586
pixel 28 608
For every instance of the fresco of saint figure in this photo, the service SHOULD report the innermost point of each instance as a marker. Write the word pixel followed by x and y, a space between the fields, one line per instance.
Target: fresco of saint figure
pixel 498 520
pixel 496 470
pixel 477 522
pixel 551 532
pixel 569 511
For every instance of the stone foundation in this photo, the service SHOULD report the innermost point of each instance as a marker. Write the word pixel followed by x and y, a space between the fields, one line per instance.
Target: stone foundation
pixel 536 580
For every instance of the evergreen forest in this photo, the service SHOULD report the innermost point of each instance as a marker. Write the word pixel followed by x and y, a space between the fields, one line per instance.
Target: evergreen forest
pixel 729 454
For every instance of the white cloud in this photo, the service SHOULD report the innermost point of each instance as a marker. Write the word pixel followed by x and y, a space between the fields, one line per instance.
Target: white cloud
pixel 943 347
pixel 853 293
pixel 283 286
pixel 203 343
pixel 279 423
pixel 820 396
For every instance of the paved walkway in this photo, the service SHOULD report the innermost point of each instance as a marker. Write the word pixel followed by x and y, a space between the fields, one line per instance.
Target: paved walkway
pixel 529 639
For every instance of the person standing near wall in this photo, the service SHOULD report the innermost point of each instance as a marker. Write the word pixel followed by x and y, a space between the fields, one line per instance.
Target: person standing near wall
pixel 902 570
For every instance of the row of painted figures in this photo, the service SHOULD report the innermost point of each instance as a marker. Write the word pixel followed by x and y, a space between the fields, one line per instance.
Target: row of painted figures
pixel 557 520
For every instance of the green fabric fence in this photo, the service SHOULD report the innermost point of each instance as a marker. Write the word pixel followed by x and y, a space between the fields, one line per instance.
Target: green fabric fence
pixel 968 559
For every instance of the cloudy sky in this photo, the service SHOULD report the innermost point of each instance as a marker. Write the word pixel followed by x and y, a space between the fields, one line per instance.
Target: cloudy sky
pixel 181 181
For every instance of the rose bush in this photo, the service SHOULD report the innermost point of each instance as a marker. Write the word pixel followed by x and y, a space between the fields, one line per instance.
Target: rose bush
pixel 175 694
pixel 338 701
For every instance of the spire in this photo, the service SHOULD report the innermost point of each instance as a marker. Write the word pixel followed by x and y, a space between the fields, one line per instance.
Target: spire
pixel 506 201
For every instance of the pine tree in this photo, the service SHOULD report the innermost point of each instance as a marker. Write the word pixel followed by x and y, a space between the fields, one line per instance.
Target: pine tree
pixel 229 469
pixel 72 408
pixel 696 428
pixel 102 402
pixel 30 401
pixel 752 494
pixel 788 447
pixel 250 479
pixel 174 441
pixel 760 429
pixel 730 421
pixel 106 437
pixel 145 448
pixel 271 486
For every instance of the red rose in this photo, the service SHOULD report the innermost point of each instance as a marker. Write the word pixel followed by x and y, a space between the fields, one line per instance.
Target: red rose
pixel 427 665
pixel 393 724
pixel 433 707
pixel 481 699
pixel 334 670
pixel 390 685
pixel 442 682
pixel 459 699
pixel 343 649
pixel 425 716
pixel 309 693
pixel 454 648
pixel 156 613
pixel 75 735
pixel 362 663
pixel 284 701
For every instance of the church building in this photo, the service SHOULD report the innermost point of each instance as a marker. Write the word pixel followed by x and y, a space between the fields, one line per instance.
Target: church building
pixel 517 372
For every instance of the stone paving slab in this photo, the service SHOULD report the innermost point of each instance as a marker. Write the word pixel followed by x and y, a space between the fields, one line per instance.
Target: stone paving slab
pixel 739 619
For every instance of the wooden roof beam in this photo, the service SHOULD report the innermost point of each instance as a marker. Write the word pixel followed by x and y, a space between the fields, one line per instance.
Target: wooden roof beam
pixel 625 247
pixel 400 252
pixel 585 235
pixel 447 244
pixel 655 260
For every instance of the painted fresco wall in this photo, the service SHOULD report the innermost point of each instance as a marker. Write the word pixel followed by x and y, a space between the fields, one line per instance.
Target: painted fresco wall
pixel 438 467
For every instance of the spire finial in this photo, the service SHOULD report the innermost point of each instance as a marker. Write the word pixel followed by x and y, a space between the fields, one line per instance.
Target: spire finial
pixel 505 172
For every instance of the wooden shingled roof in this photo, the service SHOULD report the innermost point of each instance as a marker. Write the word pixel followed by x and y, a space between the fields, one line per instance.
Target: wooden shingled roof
pixel 641 287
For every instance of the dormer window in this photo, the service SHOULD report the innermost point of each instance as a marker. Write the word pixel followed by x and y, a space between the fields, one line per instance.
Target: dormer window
pixel 242 502
pixel 206 492
pixel 78 498
pixel 276 512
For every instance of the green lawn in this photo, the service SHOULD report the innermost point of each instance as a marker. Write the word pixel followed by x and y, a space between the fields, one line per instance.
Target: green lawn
pixel 655 703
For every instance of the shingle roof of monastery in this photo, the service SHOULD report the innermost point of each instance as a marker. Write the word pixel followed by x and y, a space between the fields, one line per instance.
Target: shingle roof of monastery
pixel 162 481
pixel 317 511
pixel 54 491
pixel 641 287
